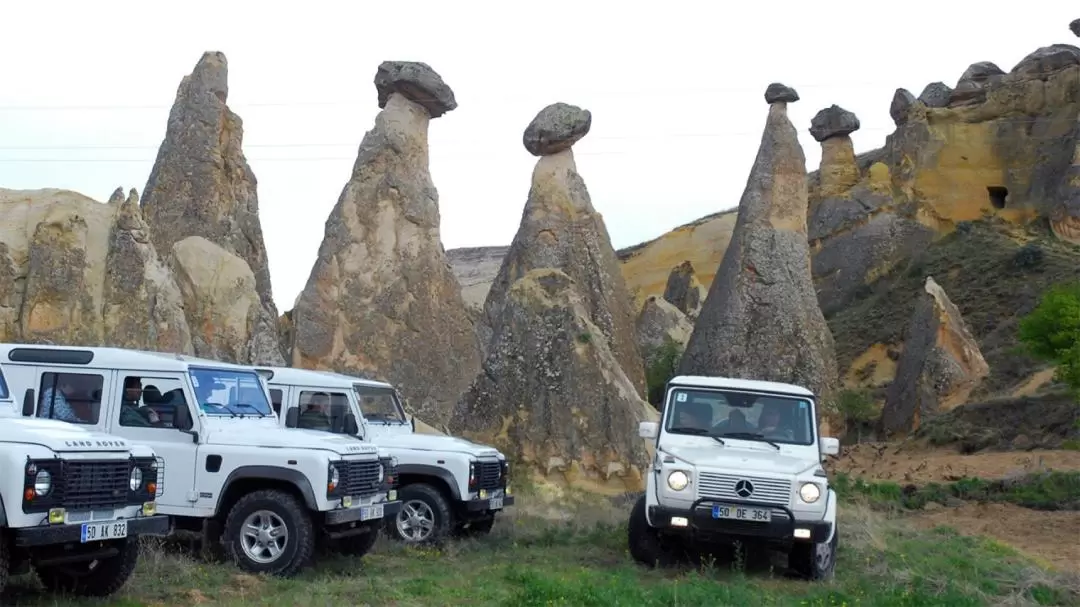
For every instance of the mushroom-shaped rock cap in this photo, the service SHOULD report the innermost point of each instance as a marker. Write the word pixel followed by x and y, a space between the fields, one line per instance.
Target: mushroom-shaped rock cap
pixel 901 102
pixel 417 82
pixel 1074 27
pixel 780 92
pixel 833 121
pixel 936 94
pixel 556 128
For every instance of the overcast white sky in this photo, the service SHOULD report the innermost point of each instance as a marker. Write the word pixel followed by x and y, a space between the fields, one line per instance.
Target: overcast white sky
pixel 675 88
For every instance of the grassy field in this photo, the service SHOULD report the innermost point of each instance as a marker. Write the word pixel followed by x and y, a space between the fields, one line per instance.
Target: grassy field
pixel 582 560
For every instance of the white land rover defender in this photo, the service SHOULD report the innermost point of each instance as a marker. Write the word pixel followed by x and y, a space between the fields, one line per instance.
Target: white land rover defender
pixel 446 484
pixel 260 496
pixel 737 460
pixel 73 501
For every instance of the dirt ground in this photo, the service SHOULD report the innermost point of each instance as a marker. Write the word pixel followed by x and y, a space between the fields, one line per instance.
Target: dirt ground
pixel 906 464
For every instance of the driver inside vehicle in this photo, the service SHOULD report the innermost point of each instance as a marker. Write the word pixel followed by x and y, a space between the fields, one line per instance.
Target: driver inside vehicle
pixel 694 414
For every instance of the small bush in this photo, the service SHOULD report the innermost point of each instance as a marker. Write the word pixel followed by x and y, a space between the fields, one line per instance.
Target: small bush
pixel 1052 332
pixel 661 365
pixel 1028 256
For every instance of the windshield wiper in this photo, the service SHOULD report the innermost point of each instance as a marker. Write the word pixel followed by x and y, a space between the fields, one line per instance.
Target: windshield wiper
pixel 751 436
pixel 256 409
pixel 696 432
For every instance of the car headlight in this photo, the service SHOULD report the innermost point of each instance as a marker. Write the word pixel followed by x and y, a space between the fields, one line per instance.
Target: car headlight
pixel 42 483
pixel 333 478
pixel 382 472
pixel 809 492
pixel 135 480
pixel 678 480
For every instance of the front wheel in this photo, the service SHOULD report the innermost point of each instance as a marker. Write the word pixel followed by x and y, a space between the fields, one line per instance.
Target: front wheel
pixel 424 518
pixel 646 544
pixel 269 531
pixel 815 561
pixel 96 578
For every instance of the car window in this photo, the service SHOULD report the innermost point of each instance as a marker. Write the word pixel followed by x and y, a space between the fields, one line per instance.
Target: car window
pixel 787 419
pixel 229 392
pixel 323 410
pixel 379 404
pixel 70 397
pixel 151 402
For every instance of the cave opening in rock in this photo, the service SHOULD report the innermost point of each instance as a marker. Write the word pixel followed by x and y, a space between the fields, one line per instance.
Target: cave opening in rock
pixel 998 194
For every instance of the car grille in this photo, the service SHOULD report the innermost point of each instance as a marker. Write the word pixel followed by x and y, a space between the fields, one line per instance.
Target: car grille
pixel 722 486
pixel 92 485
pixel 489 475
pixel 360 479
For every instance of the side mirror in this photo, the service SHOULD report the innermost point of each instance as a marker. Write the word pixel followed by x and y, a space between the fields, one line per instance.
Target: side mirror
pixel 830 446
pixel 28 403
pixel 647 429
pixel 182 418
pixel 292 417
pixel 351 427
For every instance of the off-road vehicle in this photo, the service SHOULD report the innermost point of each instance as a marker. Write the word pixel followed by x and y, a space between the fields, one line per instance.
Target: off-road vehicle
pixel 259 495
pixel 73 502
pixel 737 460
pixel 446 485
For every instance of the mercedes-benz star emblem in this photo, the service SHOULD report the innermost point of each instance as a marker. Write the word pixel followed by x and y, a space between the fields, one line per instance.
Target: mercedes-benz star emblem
pixel 744 488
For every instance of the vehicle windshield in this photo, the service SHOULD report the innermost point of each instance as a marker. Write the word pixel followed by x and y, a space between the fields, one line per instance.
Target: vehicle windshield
pixel 379 404
pixel 740 415
pixel 229 392
pixel 3 386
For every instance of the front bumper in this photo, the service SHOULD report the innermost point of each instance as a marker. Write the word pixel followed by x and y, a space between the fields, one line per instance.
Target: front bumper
pixel 700 522
pixel 342 516
pixel 483 505
pixel 45 535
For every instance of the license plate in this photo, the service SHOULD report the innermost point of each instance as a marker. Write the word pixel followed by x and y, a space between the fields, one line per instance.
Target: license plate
pixel 496 503
pixel 96 532
pixel 742 513
pixel 369 512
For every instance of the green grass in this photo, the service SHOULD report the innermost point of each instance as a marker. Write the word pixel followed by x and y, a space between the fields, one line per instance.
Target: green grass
pixel 1053 490
pixel 530 560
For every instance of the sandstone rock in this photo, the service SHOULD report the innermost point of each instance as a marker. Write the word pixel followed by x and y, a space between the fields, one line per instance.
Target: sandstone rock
pixel 475 268
pixel 833 121
pixel 143 307
pixel 381 300
pixel 660 323
pixel 561 230
pixel 201 184
pixel 683 290
pixel 936 95
pixel 761 319
pixel 555 128
pixel 1074 27
pixel 901 102
pixel 552 394
pixel 1048 59
pixel 940 366
pixel 417 82
pixel 1065 214
pixel 974 81
pixel 222 303
pixel 780 93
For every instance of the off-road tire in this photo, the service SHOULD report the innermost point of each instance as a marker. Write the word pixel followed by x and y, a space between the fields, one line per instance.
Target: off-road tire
pixel 440 508
pixel 805 562
pixel 104 579
pixel 646 544
pixel 357 545
pixel 5 559
pixel 301 541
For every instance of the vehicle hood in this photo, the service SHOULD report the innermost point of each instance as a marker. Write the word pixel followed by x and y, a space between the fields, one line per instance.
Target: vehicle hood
pixel 271 436
pixel 60 436
pixel 742 460
pixel 430 442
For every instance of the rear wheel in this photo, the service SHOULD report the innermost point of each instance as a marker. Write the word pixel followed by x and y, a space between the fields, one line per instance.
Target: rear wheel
pixel 97 578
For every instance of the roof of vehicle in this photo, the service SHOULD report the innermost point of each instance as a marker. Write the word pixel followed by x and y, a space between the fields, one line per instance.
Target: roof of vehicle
pixel 730 383
pixel 318 377
pixel 107 358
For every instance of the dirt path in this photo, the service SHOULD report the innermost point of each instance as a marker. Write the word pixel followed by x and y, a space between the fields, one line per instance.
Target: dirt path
pixel 904 464
pixel 1052 537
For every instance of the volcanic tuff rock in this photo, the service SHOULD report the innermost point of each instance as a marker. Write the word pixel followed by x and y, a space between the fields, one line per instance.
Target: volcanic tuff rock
pixel 761 319
pixel 1074 27
pixel 381 300
pixel 561 230
pixel 777 92
pixel 936 95
pixel 555 128
pixel 684 291
pixel 833 121
pixel 552 394
pixel 901 103
pixel 941 364
pixel 417 82
pixel 659 323
pixel 839 171
pixel 201 184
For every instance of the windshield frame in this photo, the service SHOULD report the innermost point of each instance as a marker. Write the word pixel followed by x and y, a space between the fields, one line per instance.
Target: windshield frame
pixel 4 394
pixel 358 393
pixel 266 410
pixel 811 414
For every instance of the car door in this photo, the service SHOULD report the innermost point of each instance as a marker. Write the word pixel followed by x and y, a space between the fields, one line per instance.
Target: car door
pixel 143 407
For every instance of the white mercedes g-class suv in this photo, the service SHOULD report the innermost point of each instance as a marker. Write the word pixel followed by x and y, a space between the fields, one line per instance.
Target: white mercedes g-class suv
pixel 737 460
pixel 73 501
pixel 446 485
pixel 260 496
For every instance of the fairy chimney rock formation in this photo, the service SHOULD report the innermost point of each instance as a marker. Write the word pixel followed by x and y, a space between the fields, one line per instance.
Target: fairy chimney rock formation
pixel 683 290
pixel 201 185
pixel 561 230
pixel 761 319
pixel 552 393
pixel 832 127
pixel 381 300
pixel 939 367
